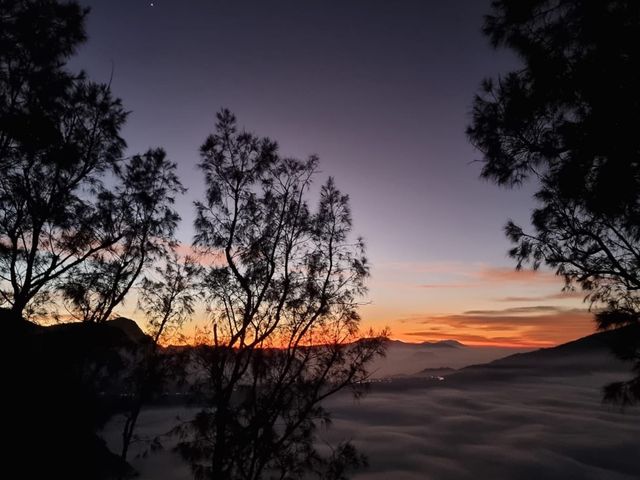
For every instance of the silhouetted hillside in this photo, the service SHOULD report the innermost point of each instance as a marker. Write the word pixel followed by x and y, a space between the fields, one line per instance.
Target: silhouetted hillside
pixel 438 344
pixel 120 332
pixel 54 380
pixel 403 358
pixel 594 353
pixel 435 372
pixel 444 344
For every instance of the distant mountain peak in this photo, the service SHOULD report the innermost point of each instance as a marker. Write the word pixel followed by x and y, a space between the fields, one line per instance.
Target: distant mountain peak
pixel 444 343
pixel 595 352
pixel 437 344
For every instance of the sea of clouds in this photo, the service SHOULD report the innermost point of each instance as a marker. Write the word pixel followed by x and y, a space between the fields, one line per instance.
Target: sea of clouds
pixel 550 425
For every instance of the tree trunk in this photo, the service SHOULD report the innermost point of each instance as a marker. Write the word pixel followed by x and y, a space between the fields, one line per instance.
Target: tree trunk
pixel 19 304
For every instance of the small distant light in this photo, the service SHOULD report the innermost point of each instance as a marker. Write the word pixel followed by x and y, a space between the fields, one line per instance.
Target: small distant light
pixel 151 4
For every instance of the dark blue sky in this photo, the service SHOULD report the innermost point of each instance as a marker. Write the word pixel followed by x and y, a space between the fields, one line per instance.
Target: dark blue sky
pixel 380 90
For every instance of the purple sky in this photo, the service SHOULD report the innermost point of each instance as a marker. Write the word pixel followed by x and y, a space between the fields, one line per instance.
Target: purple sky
pixel 381 91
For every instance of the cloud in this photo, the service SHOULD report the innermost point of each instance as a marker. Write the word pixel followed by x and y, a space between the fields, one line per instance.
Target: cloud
pixel 538 325
pixel 447 285
pixel 502 275
pixel 471 339
pixel 484 275
pixel 516 310
pixel 538 428
pixel 475 339
pixel 553 428
pixel 544 298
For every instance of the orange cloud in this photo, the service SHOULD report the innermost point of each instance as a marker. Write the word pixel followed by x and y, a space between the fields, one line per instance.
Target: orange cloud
pixel 498 275
pixel 447 285
pixel 480 340
pixel 543 298
pixel 505 274
pixel 519 326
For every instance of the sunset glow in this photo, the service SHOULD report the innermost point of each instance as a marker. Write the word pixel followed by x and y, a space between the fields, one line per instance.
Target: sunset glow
pixel 388 125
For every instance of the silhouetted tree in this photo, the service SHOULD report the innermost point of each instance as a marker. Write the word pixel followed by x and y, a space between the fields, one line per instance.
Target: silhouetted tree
pixel 138 212
pixel 70 208
pixel 58 137
pixel 61 227
pixel 283 300
pixel 168 299
pixel 568 118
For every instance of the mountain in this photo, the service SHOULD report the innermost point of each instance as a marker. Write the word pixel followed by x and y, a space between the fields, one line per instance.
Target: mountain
pixel 438 344
pixel 120 332
pixel 131 329
pixel 435 372
pixel 444 344
pixel 55 394
pixel 404 359
pixel 587 355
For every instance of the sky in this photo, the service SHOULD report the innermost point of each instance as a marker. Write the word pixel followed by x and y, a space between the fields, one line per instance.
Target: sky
pixel 382 92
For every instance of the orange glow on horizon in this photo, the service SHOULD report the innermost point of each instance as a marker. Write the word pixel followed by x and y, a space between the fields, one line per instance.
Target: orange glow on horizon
pixel 480 343
pixel 497 307
pixel 523 327
pixel 515 327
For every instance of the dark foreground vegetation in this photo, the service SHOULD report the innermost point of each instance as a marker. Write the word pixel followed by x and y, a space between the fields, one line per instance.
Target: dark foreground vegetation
pixel 54 384
pixel 566 120
pixel 83 225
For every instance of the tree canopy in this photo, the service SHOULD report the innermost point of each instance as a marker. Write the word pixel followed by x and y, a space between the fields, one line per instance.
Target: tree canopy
pixel 77 220
pixel 75 216
pixel 283 295
pixel 137 213
pixel 567 119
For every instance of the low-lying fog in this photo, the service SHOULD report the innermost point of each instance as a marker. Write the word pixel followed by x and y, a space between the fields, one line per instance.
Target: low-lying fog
pixel 411 358
pixel 547 425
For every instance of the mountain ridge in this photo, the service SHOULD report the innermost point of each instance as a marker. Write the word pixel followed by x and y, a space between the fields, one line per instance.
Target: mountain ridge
pixel 593 353
pixel 448 343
